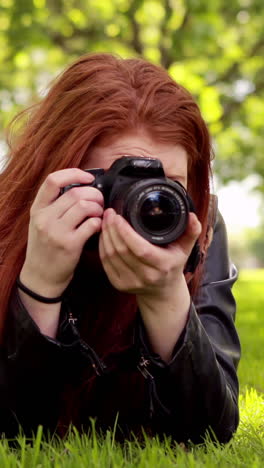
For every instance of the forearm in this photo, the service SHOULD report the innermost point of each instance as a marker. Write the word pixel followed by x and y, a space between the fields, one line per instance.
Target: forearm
pixel 165 317
pixel 196 390
pixel 37 368
pixel 34 372
pixel 46 316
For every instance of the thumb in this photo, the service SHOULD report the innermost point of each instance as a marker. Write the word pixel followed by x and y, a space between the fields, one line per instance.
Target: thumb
pixel 190 235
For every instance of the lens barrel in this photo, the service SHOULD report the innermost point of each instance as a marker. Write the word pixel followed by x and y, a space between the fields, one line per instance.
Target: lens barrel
pixel 157 210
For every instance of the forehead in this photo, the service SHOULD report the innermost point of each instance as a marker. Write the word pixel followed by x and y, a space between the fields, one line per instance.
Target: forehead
pixel 173 157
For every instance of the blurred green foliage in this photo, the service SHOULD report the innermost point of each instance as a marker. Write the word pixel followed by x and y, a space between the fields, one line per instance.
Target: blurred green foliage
pixel 255 242
pixel 247 247
pixel 214 48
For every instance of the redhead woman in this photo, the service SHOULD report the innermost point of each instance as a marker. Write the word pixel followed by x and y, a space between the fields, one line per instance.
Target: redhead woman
pixel 99 318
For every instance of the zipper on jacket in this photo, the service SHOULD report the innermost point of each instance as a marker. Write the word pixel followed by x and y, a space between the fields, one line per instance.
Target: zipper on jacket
pixel 143 368
pixel 97 364
pixel 72 319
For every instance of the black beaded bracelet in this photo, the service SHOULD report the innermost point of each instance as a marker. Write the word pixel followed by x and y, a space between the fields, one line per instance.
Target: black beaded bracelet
pixel 37 297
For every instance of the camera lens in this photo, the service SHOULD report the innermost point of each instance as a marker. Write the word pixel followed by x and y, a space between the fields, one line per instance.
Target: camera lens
pixel 158 212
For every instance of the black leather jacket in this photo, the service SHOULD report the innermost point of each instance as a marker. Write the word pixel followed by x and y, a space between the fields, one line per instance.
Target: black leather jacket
pixel 196 391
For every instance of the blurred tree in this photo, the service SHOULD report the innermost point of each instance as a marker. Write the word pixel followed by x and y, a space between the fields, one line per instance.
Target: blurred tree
pixel 255 243
pixel 214 48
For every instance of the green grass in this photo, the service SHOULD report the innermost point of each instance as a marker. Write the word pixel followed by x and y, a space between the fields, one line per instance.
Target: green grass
pixel 245 450
pixel 249 293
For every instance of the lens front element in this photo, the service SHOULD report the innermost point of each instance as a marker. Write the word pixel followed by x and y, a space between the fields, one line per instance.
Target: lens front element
pixel 159 212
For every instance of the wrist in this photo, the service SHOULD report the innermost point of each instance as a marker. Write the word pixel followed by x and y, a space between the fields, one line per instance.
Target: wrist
pixel 45 316
pixel 40 286
pixel 175 296
pixel 36 296
pixel 165 317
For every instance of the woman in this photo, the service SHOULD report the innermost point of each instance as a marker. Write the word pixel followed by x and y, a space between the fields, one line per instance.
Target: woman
pixel 122 330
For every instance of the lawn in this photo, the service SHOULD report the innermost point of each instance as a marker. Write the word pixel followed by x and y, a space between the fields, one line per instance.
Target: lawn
pixel 245 450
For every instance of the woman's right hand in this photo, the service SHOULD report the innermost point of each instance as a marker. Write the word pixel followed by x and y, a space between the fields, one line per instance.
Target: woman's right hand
pixel 58 229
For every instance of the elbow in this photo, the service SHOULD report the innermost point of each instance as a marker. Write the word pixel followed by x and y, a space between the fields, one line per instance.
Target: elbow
pixel 229 420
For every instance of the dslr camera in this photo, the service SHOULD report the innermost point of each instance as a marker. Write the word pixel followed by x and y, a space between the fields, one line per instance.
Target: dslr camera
pixel 137 188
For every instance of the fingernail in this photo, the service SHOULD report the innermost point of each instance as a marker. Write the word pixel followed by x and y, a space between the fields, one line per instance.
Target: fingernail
pixel 109 215
pixel 89 176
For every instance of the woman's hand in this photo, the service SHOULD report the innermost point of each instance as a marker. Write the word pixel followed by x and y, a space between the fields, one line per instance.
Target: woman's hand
pixel 58 229
pixel 135 265
pixel 153 273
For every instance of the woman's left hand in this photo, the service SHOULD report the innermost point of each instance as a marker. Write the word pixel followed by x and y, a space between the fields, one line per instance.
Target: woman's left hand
pixel 153 273
pixel 135 265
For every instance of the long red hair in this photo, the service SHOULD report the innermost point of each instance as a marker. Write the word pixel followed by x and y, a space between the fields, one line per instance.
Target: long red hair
pixel 97 97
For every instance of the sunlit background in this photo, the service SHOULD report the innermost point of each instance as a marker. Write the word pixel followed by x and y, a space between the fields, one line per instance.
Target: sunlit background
pixel 214 49
pixel 240 206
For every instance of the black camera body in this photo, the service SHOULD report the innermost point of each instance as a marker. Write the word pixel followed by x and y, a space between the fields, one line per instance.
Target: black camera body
pixel 137 188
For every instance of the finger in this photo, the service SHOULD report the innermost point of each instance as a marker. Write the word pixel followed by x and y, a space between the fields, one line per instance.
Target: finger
pixel 146 252
pixel 190 236
pixel 73 197
pixel 116 242
pixel 50 189
pixel 110 253
pixel 87 229
pixel 116 269
pixel 79 212
pixel 122 255
pixel 107 252
pixel 108 247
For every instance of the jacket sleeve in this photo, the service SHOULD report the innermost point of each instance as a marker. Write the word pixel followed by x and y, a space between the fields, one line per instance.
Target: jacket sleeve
pixel 198 390
pixel 34 369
